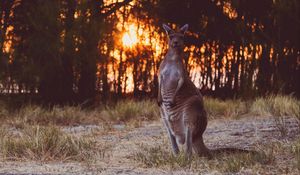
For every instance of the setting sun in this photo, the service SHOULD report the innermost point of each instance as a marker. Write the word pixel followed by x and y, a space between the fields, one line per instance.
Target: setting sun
pixel 129 38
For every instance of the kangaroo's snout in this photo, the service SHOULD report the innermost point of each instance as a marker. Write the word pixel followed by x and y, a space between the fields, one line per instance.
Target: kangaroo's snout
pixel 176 42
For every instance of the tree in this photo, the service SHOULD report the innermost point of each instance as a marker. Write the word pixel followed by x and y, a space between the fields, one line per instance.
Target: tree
pixel 5 11
pixel 91 34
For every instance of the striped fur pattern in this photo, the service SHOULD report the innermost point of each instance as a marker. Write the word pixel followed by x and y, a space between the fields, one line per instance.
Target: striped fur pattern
pixel 181 103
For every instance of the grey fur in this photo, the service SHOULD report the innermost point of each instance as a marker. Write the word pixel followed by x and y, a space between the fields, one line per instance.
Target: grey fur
pixel 181 103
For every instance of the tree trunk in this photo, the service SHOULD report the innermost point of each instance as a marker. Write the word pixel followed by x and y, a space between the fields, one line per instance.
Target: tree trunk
pixel 68 54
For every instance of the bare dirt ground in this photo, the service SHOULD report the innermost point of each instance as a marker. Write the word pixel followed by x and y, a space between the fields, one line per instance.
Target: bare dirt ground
pixel 122 143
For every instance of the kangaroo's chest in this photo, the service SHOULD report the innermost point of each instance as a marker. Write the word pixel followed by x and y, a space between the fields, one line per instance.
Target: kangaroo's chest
pixel 171 74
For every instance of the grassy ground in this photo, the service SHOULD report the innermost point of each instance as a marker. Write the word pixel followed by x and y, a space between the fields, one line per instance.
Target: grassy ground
pixel 222 162
pixel 136 111
pixel 124 111
pixel 44 144
pixel 278 106
pixel 37 134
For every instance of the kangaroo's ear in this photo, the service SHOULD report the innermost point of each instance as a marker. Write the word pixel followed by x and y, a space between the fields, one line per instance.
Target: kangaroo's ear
pixel 184 28
pixel 168 29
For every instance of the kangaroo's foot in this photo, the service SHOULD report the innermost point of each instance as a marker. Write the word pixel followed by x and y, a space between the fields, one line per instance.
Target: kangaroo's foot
pixel 200 148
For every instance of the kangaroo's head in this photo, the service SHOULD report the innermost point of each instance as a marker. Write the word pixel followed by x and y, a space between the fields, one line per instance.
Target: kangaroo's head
pixel 176 38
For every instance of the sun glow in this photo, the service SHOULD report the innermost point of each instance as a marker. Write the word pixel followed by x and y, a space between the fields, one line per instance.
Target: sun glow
pixel 130 38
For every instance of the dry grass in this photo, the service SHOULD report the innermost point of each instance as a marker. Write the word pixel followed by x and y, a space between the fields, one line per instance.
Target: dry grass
pixel 268 106
pixel 124 111
pixel 59 116
pixel 229 109
pixel 296 152
pixel 3 110
pixel 276 106
pixel 45 144
pixel 33 114
pixel 280 107
pixel 132 110
pixel 233 163
pixel 159 157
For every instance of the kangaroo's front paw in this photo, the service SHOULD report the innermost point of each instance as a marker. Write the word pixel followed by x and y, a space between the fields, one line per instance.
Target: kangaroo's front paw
pixel 159 102
pixel 172 102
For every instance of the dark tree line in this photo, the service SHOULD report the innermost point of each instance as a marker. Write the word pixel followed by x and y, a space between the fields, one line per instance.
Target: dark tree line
pixel 72 52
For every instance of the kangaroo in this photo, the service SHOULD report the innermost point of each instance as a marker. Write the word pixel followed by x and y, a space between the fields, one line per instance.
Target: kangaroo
pixel 181 103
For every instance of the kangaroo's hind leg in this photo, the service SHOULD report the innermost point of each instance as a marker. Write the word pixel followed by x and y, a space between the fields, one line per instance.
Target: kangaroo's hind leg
pixel 172 138
pixel 198 121
pixel 188 120
pixel 198 143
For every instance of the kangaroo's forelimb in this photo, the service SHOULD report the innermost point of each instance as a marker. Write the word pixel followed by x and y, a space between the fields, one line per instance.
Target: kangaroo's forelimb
pixel 179 85
pixel 159 97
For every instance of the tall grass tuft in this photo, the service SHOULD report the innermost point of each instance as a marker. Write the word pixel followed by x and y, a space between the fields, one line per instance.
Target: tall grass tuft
pixel 129 109
pixel 45 144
